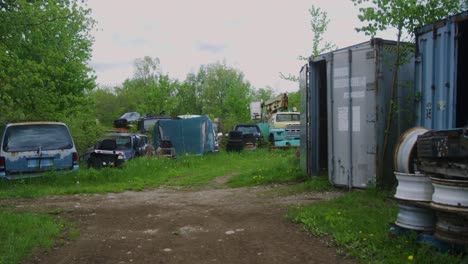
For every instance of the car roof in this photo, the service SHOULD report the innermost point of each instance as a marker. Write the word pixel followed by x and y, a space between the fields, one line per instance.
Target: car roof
pixel 120 135
pixel 35 123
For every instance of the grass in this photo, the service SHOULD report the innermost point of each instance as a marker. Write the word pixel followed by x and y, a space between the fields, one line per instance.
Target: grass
pixel 21 232
pixel 249 167
pixel 358 223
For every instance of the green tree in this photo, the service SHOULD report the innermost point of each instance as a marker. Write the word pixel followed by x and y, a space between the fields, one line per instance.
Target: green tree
pixel 404 15
pixel 107 105
pixel 149 91
pixel 263 94
pixel 44 52
pixel 318 24
pixel 188 96
pixel 294 100
pixel 221 91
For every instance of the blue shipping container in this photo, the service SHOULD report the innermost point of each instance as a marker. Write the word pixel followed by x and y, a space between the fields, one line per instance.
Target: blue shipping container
pixel 441 59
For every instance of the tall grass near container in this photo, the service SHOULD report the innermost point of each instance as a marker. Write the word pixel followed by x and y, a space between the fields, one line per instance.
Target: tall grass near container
pixel 358 223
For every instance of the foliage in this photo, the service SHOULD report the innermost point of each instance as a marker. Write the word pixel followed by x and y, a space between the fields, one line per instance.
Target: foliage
pixel 84 129
pixel 107 105
pixel 149 91
pixel 318 24
pixel 404 15
pixel 216 90
pixel 44 51
pixel 358 222
pixel 294 100
pixel 21 232
pixel 262 94
pixel 224 93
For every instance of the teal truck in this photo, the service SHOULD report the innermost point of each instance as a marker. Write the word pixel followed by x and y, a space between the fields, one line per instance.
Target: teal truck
pixel 282 128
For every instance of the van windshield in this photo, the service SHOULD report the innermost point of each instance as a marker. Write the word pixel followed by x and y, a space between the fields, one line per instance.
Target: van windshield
pixel 35 137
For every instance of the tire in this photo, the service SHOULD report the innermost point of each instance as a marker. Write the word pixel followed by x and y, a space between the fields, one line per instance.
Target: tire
pixel 271 139
pixel 95 163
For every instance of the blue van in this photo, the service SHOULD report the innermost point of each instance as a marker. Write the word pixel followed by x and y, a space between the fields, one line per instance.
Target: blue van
pixel 32 148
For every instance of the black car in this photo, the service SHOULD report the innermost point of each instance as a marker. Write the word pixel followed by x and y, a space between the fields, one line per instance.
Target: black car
pixel 251 133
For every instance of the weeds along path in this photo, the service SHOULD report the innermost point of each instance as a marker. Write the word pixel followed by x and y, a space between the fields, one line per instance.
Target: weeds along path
pixel 242 225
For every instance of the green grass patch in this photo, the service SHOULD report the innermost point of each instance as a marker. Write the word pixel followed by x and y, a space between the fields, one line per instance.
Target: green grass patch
pixel 261 166
pixel 358 223
pixel 280 166
pixel 21 232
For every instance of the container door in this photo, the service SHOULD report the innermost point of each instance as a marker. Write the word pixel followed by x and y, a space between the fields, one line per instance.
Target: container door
pixel 352 116
pixel 436 77
pixel 304 148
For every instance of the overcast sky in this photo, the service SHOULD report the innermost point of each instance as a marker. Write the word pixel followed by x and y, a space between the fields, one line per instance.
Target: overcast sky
pixel 259 37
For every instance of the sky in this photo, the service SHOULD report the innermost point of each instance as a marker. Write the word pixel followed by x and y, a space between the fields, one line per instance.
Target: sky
pixel 260 38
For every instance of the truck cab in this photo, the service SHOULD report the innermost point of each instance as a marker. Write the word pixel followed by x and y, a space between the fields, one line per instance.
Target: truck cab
pixel 283 119
pixel 284 129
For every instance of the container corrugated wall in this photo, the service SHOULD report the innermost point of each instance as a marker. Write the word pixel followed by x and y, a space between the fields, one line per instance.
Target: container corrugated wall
pixel 349 94
pixel 440 66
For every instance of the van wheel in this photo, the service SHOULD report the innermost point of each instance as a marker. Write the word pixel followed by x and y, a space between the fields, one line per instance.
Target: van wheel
pixel 94 163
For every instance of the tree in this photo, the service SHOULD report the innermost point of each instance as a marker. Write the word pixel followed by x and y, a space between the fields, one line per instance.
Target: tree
pixel 107 105
pixel 149 91
pixel 188 95
pixel 44 52
pixel 294 100
pixel 318 24
pixel 263 94
pixel 404 15
pixel 147 69
pixel 220 91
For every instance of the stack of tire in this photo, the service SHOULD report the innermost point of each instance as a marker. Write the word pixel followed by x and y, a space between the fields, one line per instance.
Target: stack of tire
pixel 235 141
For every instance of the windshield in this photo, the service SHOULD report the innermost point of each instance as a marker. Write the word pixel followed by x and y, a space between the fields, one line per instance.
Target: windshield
pixel 247 129
pixel 35 137
pixel 287 117
pixel 123 142
pixel 147 124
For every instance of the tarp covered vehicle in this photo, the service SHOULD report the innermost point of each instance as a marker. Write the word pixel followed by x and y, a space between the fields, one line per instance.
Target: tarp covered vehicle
pixel 187 136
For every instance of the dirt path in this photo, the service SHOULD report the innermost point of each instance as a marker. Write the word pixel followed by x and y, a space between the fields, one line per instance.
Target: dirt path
pixel 218 225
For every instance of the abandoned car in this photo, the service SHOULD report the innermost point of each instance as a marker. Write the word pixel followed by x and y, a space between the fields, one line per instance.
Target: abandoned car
pixel 117 148
pixel 32 148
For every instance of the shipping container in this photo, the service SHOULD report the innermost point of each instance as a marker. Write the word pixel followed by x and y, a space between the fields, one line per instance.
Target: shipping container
pixel 441 56
pixel 346 97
